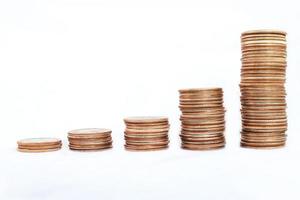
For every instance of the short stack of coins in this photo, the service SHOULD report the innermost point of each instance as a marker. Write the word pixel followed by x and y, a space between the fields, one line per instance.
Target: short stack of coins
pixel 39 145
pixel 146 133
pixel 90 139
pixel 263 111
pixel 202 118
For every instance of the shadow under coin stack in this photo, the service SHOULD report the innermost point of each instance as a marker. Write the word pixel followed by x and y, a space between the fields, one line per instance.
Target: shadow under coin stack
pixel 202 118
pixel 90 139
pixel 146 133
pixel 39 145
pixel 264 120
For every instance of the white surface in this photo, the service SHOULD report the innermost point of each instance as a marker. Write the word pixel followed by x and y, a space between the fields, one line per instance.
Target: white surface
pixel 68 64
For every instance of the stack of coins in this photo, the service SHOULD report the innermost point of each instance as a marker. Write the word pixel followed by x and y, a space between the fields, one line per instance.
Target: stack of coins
pixel 264 120
pixel 90 139
pixel 202 118
pixel 39 145
pixel 146 133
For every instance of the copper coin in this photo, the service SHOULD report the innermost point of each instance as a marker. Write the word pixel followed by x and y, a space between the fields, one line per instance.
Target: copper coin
pixel 38 150
pixel 39 141
pixel 145 119
pixel 203 147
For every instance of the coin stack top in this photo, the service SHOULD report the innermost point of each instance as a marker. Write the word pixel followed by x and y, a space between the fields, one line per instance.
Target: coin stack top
pixel 146 133
pixel 90 139
pixel 39 144
pixel 264 120
pixel 202 118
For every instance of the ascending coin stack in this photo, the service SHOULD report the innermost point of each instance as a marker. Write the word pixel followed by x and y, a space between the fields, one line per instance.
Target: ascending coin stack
pixel 39 145
pixel 264 120
pixel 202 118
pixel 90 139
pixel 146 133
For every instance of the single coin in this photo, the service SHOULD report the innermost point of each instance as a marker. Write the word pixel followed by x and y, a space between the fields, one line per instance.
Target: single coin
pixel 200 135
pixel 84 143
pixel 152 124
pixel 108 138
pixel 264 31
pixel 146 135
pixel 145 148
pixel 201 106
pixel 145 119
pixel 193 90
pixel 265 144
pixel 204 129
pixel 127 130
pixel 203 147
pixel 201 99
pixel 201 96
pixel 39 147
pixel 143 143
pixel 89 147
pixel 39 141
pixel 38 150
pixel 89 133
pixel 262 140
pixel 145 128
pixel 202 122
pixel 201 141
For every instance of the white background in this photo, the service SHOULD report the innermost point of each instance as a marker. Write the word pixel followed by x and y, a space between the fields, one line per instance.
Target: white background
pixel 67 64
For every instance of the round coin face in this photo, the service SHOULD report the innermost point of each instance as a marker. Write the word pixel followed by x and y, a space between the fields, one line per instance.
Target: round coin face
pixel 195 90
pixel 39 141
pixel 145 119
pixel 264 31
pixel 89 131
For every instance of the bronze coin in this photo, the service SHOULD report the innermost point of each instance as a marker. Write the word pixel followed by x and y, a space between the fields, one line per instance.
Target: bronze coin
pixel 265 144
pixel 89 133
pixel 26 147
pixel 263 32
pixel 156 124
pixel 202 123
pixel 201 90
pixel 145 128
pixel 39 141
pixel 90 147
pixel 146 135
pixel 145 119
pixel 108 138
pixel 85 143
pixel 127 130
pixel 203 147
pixel 38 150
pixel 145 148
pixel 146 143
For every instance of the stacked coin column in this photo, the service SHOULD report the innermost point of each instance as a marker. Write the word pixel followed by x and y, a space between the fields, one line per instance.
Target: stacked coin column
pixel 202 118
pixel 90 139
pixel 263 111
pixel 146 133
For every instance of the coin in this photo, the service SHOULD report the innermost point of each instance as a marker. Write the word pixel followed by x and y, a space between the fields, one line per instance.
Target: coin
pixel 146 133
pixel 39 144
pixel 202 118
pixel 90 139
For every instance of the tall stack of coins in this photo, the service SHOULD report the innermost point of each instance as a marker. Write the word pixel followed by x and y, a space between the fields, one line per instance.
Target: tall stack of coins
pixel 146 133
pixel 90 139
pixel 202 118
pixel 264 120
pixel 39 144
